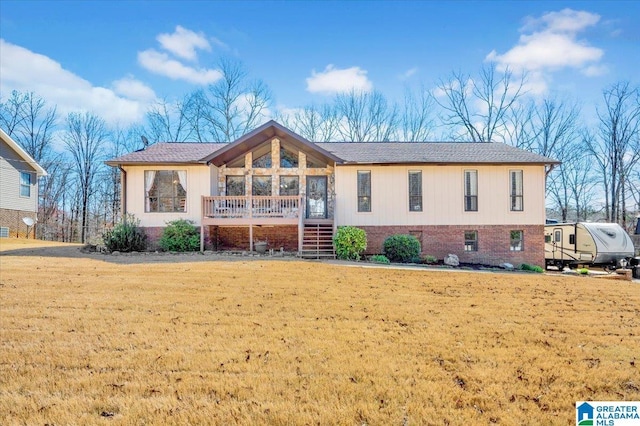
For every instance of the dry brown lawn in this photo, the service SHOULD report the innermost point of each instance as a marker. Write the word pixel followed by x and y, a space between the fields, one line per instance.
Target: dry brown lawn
pixel 85 339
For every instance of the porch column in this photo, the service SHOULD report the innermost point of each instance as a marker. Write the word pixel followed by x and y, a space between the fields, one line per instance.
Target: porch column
pixel 251 238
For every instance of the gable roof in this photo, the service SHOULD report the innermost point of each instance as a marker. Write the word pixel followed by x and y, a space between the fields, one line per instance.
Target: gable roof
pixel 338 152
pixel 267 131
pixel 432 153
pixel 22 153
pixel 169 153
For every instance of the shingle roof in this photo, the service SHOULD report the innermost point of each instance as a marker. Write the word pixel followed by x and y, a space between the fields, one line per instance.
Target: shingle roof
pixel 355 153
pixel 431 152
pixel 169 152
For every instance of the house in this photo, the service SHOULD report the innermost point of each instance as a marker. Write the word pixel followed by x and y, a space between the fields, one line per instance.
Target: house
pixel 19 175
pixel 484 202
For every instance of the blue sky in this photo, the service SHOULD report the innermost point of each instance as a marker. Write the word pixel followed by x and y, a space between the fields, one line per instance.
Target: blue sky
pixel 116 57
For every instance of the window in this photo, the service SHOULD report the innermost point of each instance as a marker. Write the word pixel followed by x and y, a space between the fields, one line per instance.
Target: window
pixel 261 186
pixel 263 161
pixel 165 190
pixel 470 240
pixel 517 204
pixel 289 185
pixel 471 190
pixel 517 241
pixel 235 186
pixel 288 159
pixel 557 236
pixel 25 184
pixel 364 191
pixel 415 191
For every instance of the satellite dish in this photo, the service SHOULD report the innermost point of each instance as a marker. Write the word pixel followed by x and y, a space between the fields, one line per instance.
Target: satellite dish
pixel 29 222
pixel 145 141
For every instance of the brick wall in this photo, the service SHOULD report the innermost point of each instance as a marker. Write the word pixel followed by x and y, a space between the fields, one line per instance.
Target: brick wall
pixel 237 237
pixel 493 242
pixel 154 233
pixel 12 219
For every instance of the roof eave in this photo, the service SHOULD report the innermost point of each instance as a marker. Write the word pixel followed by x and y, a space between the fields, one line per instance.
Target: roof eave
pixel 40 171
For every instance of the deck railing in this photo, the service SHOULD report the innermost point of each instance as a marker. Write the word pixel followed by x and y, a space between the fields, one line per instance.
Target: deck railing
pixel 244 207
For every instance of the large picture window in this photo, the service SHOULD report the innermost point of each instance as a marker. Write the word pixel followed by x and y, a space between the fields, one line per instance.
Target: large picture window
pixel 261 185
pixel 235 186
pixel 289 185
pixel 471 190
pixel 415 191
pixel 517 203
pixel 25 184
pixel 165 190
pixel 364 191
pixel 288 159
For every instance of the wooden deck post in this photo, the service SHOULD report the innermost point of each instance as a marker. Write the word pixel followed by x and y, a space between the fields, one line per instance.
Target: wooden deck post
pixel 251 238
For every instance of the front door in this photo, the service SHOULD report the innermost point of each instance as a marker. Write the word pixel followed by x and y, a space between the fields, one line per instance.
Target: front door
pixel 316 197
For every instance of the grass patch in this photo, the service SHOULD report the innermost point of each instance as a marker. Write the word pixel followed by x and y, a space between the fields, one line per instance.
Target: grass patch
pixel 85 341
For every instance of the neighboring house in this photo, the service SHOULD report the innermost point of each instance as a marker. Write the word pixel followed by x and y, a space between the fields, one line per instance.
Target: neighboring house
pixel 18 188
pixel 484 202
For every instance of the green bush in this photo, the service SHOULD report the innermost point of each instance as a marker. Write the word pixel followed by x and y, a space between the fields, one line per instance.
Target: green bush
pixel 429 260
pixel 380 258
pixel 180 235
pixel 532 268
pixel 350 242
pixel 582 271
pixel 126 236
pixel 401 248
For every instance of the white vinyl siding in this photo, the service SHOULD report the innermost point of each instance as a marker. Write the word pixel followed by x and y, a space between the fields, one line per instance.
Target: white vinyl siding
pixel 11 168
pixel 201 180
pixel 442 196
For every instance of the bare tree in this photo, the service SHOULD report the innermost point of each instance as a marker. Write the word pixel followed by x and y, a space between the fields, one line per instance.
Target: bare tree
pixel 477 110
pixel 617 146
pixel 417 123
pixel 85 138
pixel 234 105
pixel 312 122
pixel 170 121
pixel 366 117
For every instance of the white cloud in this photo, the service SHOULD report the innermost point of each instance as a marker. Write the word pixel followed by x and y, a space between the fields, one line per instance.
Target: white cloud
pixel 131 88
pixel 551 44
pixel 27 71
pixel 161 63
pixel 595 70
pixel 408 73
pixel 333 80
pixel 183 43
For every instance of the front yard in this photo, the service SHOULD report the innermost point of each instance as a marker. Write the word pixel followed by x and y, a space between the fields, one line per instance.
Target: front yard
pixel 86 340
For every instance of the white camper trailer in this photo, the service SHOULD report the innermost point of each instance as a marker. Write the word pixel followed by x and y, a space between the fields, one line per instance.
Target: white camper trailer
pixel 582 243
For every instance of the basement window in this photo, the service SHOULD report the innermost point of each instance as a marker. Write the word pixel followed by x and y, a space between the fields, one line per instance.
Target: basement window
pixel 517 241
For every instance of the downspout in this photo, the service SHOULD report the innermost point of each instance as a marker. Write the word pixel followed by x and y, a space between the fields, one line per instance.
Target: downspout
pixel 123 190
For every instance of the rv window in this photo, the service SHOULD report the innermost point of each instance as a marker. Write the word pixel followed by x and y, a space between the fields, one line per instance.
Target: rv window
pixel 547 238
pixel 572 238
pixel 558 236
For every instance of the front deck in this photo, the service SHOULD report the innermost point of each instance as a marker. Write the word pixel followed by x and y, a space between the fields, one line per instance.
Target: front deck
pixel 252 211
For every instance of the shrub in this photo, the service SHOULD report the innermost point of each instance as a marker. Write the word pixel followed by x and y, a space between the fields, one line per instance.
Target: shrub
pixel 430 260
pixel 180 235
pixel 350 242
pixel 126 236
pixel 532 268
pixel 380 258
pixel 401 248
pixel 583 271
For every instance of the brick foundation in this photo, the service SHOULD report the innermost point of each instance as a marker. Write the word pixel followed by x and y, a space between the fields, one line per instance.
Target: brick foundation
pixel 12 219
pixel 493 242
pixel 237 237
pixel 154 233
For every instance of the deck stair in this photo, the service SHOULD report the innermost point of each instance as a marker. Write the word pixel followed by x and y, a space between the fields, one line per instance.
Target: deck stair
pixel 317 240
